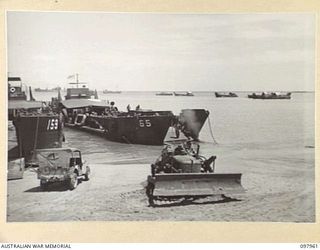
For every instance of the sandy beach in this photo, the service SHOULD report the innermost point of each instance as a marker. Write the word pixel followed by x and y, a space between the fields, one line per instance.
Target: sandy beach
pixel 279 189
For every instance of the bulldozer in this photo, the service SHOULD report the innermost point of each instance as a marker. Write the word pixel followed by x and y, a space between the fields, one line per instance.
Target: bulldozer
pixel 181 173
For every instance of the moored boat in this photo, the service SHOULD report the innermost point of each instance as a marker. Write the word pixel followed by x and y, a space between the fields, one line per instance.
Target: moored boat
pixel 37 131
pixel 47 90
pixel 188 93
pixel 79 92
pixel 165 93
pixel 268 96
pixel 222 94
pixel 35 125
pixel 111 91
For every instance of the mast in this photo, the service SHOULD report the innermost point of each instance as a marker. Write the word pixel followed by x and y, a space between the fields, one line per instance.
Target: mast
pixel 31 96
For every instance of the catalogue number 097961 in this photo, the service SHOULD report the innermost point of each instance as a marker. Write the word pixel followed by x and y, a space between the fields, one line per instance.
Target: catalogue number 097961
pixel 309 245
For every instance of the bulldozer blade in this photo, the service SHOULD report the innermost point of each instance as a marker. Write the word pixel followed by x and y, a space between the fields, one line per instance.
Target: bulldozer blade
pixel 195 184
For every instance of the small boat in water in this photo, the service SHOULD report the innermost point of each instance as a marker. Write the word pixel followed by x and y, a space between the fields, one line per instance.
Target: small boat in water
pixel 111 91
pixel 221 94
pixel 268 96
pixel 165 93
pixel 47 90
pixel 188 93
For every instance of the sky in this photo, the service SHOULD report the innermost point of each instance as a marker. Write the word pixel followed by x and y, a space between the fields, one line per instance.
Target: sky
pixel 163 52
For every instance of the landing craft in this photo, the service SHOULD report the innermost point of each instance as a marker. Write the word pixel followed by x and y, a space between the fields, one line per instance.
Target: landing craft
pixel 220 94
pixel 165 93
pixel 188 93
pixel 35 125
pixel 270 96
pixel 139 126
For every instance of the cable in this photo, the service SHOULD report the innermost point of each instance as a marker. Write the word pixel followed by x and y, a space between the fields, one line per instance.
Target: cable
pixel 210 129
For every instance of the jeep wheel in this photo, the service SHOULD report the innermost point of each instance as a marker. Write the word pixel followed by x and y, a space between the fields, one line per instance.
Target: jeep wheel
pixel 73 182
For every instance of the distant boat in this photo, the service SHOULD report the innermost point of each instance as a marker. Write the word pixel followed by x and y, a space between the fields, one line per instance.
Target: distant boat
pixel 188 93
pixel 111 91
pixel 272 95
pixel 47 90
pixel 80 92
pixel 164 93
pixel 221 94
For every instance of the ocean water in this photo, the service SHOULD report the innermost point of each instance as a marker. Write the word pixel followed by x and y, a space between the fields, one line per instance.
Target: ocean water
pixel 234 121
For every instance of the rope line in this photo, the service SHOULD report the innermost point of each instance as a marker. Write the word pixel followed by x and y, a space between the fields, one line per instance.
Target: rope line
pixel 210 129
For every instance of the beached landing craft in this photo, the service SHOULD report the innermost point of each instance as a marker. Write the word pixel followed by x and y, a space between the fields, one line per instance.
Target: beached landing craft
pixel 269 96
pixel 37 131
pixel 181 173
pixel 230 94
pixel 135 126
pixel 138 126
pixel 36 127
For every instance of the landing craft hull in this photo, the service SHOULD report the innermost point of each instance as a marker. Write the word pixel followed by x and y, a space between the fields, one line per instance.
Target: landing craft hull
pixel 269 97
pixel 165 94
pixel 37 132
pixel 144 129
pixel 225 95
